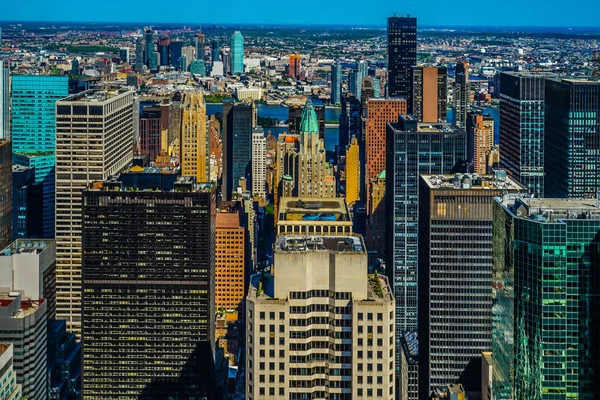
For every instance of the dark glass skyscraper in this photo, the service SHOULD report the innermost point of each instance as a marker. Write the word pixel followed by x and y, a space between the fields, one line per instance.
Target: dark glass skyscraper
pixel 238 121
pixel 5 193
pixel 336 84
pixel 522 128
pixel 148 290
pixel 572 143
pixel 402 55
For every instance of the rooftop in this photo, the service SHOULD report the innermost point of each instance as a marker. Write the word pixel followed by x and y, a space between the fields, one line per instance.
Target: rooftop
pixel 183 184
pixel 313 209
pixel 498 181
pixel 27 308
pixel 550 210
pixel 94 95
pixel 26 246
pixel 4 347
pixel 334 244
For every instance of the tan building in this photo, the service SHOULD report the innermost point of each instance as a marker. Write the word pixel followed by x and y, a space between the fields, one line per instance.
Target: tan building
pixel 313 215
pixel 352 172
pixel 376 212
pixel 381 111
pixel 216 148
pixel 194 137
pixel 480 130
pixel 230 247
pixel 430 92
pixel 9 387
pixel 320 327
pixel 492 157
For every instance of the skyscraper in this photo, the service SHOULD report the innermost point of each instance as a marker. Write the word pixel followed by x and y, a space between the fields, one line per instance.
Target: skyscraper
pixel 401 56
pixel 107 147
pixel 150 130
pixel 4 100
pixel 215 51
pixel 200 46
pixel 546 296
pixel 480 138
pixel 148 290
pixel 430 90
pixel 164 44
pixel 259 163
pixel 237 53
pixel 572 138
pixel 412 149
pixel 148 46
pixel 237 144
pixel 353 169
pixel 321 327
pixel 336 84
pixel 455 257
pixel 124 54
pixel 522 128
pixel 462 94
pixel 176 48
pixel 34 132
pixel 6 203
pixel 194 141
pixel 27 204
pixel 139 54
pixel 295 62
pixel 295 113
pixel 8 376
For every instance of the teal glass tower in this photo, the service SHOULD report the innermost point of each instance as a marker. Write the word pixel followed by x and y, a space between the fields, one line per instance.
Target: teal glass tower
pixel 546 297
pixel 237 53
pixel 34 132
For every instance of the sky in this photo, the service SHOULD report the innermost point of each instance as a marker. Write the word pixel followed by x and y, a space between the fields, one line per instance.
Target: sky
pixel 573 13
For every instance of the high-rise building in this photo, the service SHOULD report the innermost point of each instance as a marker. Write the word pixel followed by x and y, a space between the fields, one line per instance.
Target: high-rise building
pixel 139 54
pixel 376 214
pixel 148 290
pixel 480 140
pixel 194 137
pixel 148 46
pixel 546 292
pixel 430 91
pixel 124 54
pixel 8 377
pixel 462 94
pixel 522 128
pixel 238 121
pixel 353 172
pixel 27 204
pixel 401 56
pixel 176 48
pixel 199 46
pixel 230 250
pixel 308 215
pixel 94 152
pixel 572 138
pixel 34 132
pixel 164 44
pixel 237 53
pixel 336 84
pixel 455 257
pixel 150 130
pixel 23 323
pixel 321 327
pixel 259 163
pixel 412 149
pixel 380 111
pixel 295 62
pixel 315 175
pixel 295 118
pixel 6 201
pixel 215 51
pixel 367 92
pixel 4 100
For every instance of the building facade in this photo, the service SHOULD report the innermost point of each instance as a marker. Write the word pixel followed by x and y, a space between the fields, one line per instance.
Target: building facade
pixel 336 84
pixel 321 327
pixel 401 56
pixel 6 188
pixel 238 121
pixel 148 281
pixel 353 172
pixel 4 100
pixel 230 256
pixel 259 163
pixel 480 131
pixel 462 94
pixel 9 387
pixel 194 143
pixel 96 151
pixel 430 92
pixel 237 53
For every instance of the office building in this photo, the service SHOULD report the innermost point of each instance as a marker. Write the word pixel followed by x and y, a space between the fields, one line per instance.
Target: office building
pixel 353 172
pixel 320 327
pixel 23 323
pixel 198 67
pixel 307 215
pixel 124 54
pixel 375 229
pixel 572 138
pixel 215 51
pixel 336 84
pixel 9 387
pixel 27 204
pixel 139 54
pixel 163 46
pixel 412 149
pixel 259 163
pixel 34 132
pixel 4 100
pixel 367 92
pixel 175 48
pixel 194 141
pixel 286 167
pixel 455 268
pixel 150 130
pixel 522 128
pixel 380 111
pixel 148 290
pixel 6 203
pixel 237 53
pixel 199 46
pixel 462 94
pixel 401 56
pixel 546 293
pixel 94 152
pixel 430 92
pixel 294 66
pixel 64 362
pixel 295 113
pixel 408 377
pixel 487 373
pixel 315 175
pixel 480 139
pixel 238 121
pixel 230 256
pixel 148 46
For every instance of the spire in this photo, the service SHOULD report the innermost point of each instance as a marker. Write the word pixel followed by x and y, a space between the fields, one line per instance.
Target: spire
pixel 308 121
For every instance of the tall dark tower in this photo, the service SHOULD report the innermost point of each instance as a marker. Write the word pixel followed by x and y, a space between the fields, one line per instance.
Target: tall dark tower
pixel 402 55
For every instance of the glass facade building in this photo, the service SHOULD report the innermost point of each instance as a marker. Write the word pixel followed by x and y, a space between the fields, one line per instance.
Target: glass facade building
pixel 522 128
pixel 238 120
pixel 402 55
pixel 572 147
pixel 237 53
pixel 546 284
pixel 336 84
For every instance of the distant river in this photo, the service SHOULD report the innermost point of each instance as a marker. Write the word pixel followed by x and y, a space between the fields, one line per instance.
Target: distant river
pixel 281 113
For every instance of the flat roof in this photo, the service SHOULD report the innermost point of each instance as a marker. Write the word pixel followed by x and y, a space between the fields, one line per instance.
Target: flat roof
pixel 335 244
pixel 26 246
pixel 472 181
pixel 27 308
pixel 550 210
pixel 94 95
pixel 313 209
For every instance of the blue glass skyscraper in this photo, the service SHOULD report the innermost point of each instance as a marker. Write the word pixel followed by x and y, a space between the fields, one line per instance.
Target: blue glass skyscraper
pixel 336 84
pixel 237 53
pixel 34 132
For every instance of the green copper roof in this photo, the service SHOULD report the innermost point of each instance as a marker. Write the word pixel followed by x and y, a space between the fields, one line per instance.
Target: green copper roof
pixel 309 122
pixel 381 175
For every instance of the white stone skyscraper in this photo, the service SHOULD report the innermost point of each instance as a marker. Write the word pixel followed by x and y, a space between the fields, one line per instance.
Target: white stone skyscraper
pixel 259 162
